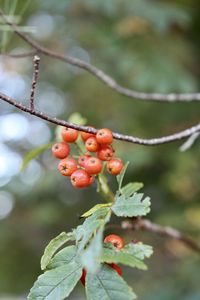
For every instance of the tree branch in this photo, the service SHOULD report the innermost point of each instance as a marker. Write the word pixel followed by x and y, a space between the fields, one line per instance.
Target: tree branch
pixel 166 231
pixel 102 76
pixel 118 136
pixel 36 61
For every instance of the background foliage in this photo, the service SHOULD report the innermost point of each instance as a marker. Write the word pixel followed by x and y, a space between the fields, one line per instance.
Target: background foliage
pixel 146 45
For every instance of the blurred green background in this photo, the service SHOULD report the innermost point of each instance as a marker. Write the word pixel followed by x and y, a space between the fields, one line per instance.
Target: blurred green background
pixel 151 46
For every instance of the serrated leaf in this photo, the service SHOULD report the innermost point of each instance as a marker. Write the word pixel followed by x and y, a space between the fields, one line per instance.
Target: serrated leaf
pixel 122 256
pixel 84 232
pixel 56 284
pixel 139 250
pixel 107 285
pixel 95 208
pixel 63 257
pixel 33 154
pixel 53 246
pixel 90 257
pixel 132 187
pixel 120 177
pixel 133 206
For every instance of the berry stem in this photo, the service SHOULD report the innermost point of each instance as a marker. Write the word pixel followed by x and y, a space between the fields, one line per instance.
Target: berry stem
pixel 104 189
pixel 78 145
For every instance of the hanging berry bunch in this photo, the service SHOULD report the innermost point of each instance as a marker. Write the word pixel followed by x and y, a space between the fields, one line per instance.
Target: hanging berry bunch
pixel 99 152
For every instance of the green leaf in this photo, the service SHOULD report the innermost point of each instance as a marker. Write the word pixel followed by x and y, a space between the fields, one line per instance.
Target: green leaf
pixel 95 208
pixel 107 285
pixel 110 255
pixel 132 187
pixel 84 232
pixel 139 250
pixel 34 153
pixel 133 206
pixel 53 246
pixel 56 284
pixel 90 257
pixel 120 177
pixel 63 257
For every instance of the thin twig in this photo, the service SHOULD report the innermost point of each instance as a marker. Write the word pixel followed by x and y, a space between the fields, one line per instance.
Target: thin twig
pixel 190 141
pixel 36 61
pixel 102 76
pixel 147 225
pixel 118 136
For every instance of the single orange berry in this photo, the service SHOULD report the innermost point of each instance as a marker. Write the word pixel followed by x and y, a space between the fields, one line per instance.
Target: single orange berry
pixel 67 166
pixel 93 165
pixel 69 135
pixel 104 136
pixel 91 144
pixel 80 179
pixel 114 166
pixel 116 240
pixel 60 150
pixel 105 153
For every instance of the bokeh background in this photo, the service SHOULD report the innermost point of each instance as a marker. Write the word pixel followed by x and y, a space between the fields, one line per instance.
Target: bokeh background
pixel 151 46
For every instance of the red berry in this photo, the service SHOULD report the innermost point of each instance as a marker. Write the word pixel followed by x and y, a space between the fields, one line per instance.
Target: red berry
pixel 105 153
pixel 69 135
pixel 67 166
pixel 93 165
pixel 80 179
pixel 60 150
pixel 86 135
pixel 82 159
pixel 116 240
pixel 104 136
pixel 114 166
pixel 91 180
pixel 82 279
pixel 116 268
pixel 91 144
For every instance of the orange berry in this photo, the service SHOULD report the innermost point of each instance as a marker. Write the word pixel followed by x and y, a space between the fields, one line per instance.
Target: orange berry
pixel 69 135
pixel 104 136
pixel 67 166
pixel 60 150
pixel 105 152
pixel 91 144
pixel 80 179
pixel 93 165
pixel 116 240
pixel 114 166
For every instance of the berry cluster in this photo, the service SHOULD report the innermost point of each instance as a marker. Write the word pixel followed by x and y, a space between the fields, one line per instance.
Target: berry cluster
pixel 118 243
pixel 82 172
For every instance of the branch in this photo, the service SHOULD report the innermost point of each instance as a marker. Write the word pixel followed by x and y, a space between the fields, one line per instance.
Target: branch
pixel 147 225
pixel 190 141
pixel 118 136
pixel 36 61
pixel 102 76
